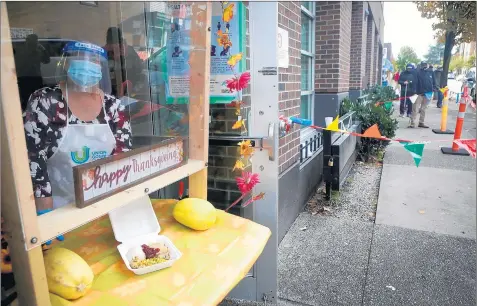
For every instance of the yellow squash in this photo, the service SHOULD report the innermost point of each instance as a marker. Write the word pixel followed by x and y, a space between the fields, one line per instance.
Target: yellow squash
pixel 195 213
pixel 68 275
pixel 58 301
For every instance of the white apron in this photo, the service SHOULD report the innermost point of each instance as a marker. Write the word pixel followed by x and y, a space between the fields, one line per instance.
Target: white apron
pixel 80 144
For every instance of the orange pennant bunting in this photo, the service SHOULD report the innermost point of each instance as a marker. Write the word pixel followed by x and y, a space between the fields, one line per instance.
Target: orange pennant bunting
pixel 372 132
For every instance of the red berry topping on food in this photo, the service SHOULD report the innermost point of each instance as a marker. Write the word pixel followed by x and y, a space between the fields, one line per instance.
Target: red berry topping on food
pixel 149 252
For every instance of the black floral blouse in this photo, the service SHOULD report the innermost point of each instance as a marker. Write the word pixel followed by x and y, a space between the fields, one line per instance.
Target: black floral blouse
pixel 45 122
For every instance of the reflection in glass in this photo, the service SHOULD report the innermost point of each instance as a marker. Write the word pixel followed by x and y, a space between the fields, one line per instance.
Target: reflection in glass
pixel 305 73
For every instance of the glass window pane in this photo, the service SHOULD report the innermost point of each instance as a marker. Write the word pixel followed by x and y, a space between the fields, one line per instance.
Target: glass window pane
pixel 305 73
pixel 307 4
pixel 306 29
pixel 305 107
pixel 123 80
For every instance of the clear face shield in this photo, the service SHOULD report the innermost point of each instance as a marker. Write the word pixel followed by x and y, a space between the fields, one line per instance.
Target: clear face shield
pixel 84 68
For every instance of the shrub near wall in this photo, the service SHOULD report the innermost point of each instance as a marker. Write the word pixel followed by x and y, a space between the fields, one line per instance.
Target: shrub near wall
pixel 369 114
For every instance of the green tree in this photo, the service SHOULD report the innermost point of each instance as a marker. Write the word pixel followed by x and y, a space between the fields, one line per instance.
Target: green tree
pixel 455 24
pixel 470 62
pixel 435 54
pixel 406 55
pixel 456 63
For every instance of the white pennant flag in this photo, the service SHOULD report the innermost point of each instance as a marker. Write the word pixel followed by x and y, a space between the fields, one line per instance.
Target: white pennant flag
pixel 413 98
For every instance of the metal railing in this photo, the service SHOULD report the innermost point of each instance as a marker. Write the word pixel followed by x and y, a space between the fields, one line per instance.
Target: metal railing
pixel 363 99
pixel 310 146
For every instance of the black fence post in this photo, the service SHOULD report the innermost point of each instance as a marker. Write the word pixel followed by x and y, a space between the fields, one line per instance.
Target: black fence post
pixel 327 162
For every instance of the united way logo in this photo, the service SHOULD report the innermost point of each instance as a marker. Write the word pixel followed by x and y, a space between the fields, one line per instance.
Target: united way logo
pixel 80 157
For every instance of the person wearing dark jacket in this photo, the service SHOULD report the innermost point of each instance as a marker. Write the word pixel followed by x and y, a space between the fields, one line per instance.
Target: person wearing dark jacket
pixel 426 84
pixel 408 82
pixel 437 77
pixel 122 55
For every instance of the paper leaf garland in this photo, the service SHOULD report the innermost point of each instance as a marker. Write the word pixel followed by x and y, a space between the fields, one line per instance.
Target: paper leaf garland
pixel 372 132
pixel 333 126
pixel 247 180
pixel 415 149
pixel 467 144
pixel 388 105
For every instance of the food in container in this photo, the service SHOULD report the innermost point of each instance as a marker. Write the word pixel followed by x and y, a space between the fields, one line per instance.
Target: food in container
pixel 135 225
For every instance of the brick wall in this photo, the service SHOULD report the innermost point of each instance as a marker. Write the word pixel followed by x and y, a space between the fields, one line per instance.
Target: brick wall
pixel 370 50
pixel 289 19
pixel 333 41
pixel 222 189
pixel 358 46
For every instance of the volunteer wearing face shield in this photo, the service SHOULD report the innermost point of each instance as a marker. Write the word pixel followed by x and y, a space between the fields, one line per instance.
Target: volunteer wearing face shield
pixel 73 123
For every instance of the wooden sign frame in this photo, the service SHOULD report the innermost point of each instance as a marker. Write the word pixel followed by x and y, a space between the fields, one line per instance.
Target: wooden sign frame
pixel 79 170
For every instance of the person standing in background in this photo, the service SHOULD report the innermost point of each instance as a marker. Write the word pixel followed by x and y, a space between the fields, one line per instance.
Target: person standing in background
pixel 437 77
pixel 426 84
pixel 408 82
pixel 119 52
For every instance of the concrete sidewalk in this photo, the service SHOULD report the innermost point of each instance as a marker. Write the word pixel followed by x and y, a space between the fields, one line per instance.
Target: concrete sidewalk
pixel 420 250
pixel 423 250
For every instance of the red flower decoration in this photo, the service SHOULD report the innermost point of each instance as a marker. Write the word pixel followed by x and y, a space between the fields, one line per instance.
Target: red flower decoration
pixel 239 83
pixel 247 181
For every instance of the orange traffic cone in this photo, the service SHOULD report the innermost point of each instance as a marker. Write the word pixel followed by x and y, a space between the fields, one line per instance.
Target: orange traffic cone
pixel 455 150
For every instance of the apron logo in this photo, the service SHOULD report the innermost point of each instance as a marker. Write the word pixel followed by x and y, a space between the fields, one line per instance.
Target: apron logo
pixel 80 159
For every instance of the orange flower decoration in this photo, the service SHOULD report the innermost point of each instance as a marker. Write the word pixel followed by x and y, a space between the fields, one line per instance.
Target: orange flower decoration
pixel 259 196
pixel 228 13
pixel 238 124
pixel 246 148
pixel 239 165
pixel 234 59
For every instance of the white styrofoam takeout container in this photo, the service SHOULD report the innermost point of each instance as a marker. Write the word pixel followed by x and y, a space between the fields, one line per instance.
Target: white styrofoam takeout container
pixel 135 224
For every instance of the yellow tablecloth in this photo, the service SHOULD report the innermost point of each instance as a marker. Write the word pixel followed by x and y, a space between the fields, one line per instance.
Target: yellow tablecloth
pixel 213 261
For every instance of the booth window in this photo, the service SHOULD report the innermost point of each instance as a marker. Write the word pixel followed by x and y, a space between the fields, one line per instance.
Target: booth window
pixel 106 102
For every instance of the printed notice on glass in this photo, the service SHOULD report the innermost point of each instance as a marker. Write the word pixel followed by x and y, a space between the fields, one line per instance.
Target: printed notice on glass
pixel 178 49
pixel 282 45
pixel 227 38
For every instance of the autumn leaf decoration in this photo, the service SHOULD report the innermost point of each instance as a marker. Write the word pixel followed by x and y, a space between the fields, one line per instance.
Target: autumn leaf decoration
pixel 246 180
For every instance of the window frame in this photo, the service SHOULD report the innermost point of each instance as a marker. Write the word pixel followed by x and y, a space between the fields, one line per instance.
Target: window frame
pixel 306 132
pixel 311 55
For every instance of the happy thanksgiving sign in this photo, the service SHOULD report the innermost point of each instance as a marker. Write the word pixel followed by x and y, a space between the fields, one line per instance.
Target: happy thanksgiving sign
pixel 99 179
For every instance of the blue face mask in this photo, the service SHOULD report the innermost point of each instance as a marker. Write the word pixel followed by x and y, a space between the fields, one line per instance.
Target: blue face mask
pixel 84 73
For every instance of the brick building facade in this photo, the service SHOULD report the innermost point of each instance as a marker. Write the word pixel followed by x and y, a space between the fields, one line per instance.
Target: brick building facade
pixel 289 81
pixel 348 38
pixel 348 43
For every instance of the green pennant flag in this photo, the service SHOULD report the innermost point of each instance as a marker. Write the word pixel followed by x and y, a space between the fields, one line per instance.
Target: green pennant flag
pixel 415 149
pixel 388 105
